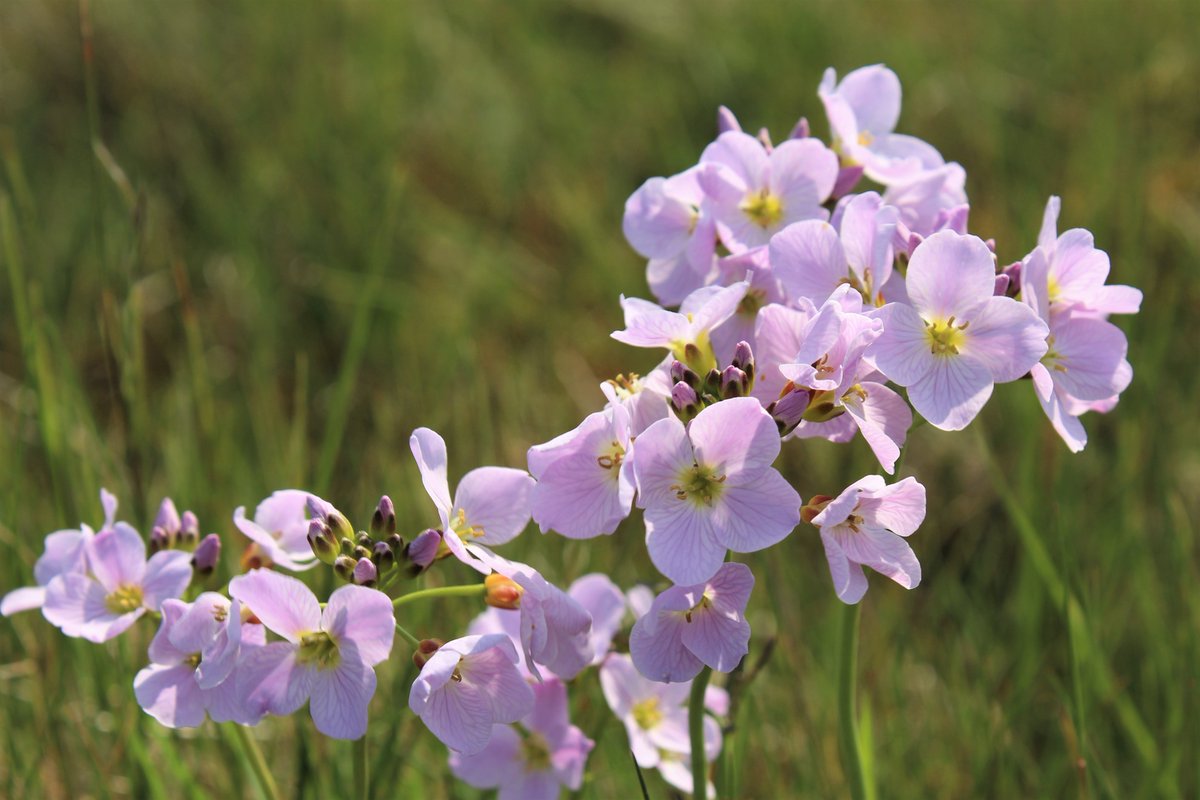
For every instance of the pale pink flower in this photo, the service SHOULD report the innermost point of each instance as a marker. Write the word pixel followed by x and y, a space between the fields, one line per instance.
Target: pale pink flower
pixel 280 528
pixel 865 526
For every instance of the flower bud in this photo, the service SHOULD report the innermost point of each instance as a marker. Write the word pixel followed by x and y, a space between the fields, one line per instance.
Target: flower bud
pixel 322 541
pixel 189 530
pixel 764 136
pixel 743 358
pixel 361 552
pixel 207 555
pixel 1013 271
pixel 422 550
pixel 726 121
pixel 365 573
pixel 502 592
pixel 734 382
pixel 160 540
pixel 337 522
pixel 168 517
pixel 383 556
pixel 800 130
pixel 1000 288
pixel 425 649
pixel 363 539
pixel 344 567
pixel 789 409
pixel 383 521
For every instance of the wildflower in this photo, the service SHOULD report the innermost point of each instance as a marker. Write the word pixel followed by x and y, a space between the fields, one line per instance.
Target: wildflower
pixel 655 716
pixel 466 687
pixel 1084 367
pixel 755 194
pixel 710 487
pixel 280 529
pixel 830 365
pixel 326 655
pixel 957 339
pixel 865 526
pixel 813 258
pixel 685 333
pixel 194 658
pixel 929 201
pixel 863 109
pixel 688 627
pixel 121 585
pixel 644 397
pixel 554 628
pixel 584 477
pixel 491 504
pixel 1076 270
pixel 534 760
pixel 667 221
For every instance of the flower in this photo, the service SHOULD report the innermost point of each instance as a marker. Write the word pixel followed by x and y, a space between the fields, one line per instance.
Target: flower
pixel 685 334
pixel 956 340
pixel 829 364
pixel 863 110
pixel 688 627
pixel 667 221
pixel 326 655
pixel 1076 271
pixel 555 629
pixel 584 480
pixel 466 687
pixel 813 258
pixel 534 761
pixel 120 587
pixel 864 525
pixel 929 201
pixel 280 529
pixel 710 487
pixel 1084 367
pixel 755 194
pixel 644 397
pixel 491 504
pixel 194 658
pixel 655 716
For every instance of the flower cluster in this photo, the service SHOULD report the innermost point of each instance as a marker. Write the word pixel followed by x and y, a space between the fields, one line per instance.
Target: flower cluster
pixel 793 302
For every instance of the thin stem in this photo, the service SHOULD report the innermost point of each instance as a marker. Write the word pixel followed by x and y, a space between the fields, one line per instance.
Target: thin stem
pixel 847 719
pixel 414 641
pixel 696 729
pixel 258 764
pixel 362 775
pixel 440 591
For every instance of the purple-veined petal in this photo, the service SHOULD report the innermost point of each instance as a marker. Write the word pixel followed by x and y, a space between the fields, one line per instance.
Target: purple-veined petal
pixel 682 541
pixel 1007 337
pixel 884 418
pixel 170 695
pixel 808 259
pixel 285 605
pixel 270 680
pixel 496 500
pixel 656 641
pixel 735 435
pixel 902 352
pixel 950 275
pixel 117 557
pixel 362 617
pixel 167 575
pixel 953 392
pixel 497 764
pixel 849 582
pixel 757 513
pixel 340 698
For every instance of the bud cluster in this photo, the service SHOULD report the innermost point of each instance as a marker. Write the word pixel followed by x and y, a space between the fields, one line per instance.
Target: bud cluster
pixel 690 395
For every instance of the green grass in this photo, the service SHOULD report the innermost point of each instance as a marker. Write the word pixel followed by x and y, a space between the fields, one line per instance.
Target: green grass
pixel 310 228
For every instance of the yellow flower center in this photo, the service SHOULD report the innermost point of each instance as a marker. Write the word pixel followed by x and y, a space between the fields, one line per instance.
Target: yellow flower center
pixel 647 714
pixel 626 385
pixel 700 484
pixel 763 208
pixel 463 529
pixel 945 337
pixel 319 648
pixel 698 354
pixel 124 599
pixel 535 753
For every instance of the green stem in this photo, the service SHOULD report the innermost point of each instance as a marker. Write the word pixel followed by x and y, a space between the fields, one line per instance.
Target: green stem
pixel 258 764
pixel 414 641
pixel 362 776
pixel 847 719
pixel 440 591
pixel 696 729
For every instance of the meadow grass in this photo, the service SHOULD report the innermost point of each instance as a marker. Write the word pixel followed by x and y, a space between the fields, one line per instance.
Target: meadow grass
pixel 256 243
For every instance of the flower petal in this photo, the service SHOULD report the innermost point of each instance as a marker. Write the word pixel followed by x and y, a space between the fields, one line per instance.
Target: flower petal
pixel 953 392
pixel 284 604
pixel 362 617
pixel 496 500
pixel 340 698
pixel 757 513
pixel 429 450
pixel 950 275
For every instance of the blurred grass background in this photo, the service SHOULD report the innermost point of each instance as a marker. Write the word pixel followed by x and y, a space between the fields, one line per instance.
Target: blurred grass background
pixel 261 241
